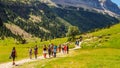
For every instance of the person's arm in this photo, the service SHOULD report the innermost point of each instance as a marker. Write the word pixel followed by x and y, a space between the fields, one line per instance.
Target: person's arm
pixel 10 55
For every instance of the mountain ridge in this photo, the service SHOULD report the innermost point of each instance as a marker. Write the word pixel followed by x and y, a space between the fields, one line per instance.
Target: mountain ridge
pixel 105 6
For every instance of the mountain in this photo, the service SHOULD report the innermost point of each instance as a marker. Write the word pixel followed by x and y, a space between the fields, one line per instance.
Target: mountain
pixel 106 6
pixel 47 19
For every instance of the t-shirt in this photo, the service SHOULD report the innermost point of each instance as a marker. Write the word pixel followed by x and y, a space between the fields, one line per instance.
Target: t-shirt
pixel 13 53
pixel 55 48
pixel 36 49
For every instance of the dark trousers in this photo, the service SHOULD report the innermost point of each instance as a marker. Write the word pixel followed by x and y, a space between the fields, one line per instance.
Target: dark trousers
pixel 35 56
pixel 49 53
pixel 54 54
pixel 13 60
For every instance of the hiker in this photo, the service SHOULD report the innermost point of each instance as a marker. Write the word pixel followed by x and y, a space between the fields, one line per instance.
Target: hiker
pixel 49 51
pixel 59 48
pixel 77 43
pixel 55 50
pixel 62 48
pixel 67 49
pixel 51 46
pixel 44 51
pixel 13 55
pixel 81 38
pixel 80 41
pixel 36 51
pixel 30 53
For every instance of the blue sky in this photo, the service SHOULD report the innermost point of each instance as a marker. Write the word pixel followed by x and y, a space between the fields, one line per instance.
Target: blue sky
pixel 117 2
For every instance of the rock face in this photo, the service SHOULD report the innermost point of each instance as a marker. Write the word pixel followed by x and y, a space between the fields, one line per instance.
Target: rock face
pixel 109 5
pixel 104 5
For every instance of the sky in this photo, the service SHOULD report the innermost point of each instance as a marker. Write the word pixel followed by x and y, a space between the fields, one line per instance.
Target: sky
pixel 117 2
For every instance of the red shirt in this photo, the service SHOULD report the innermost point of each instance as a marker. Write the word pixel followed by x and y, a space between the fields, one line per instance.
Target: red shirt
pixel 65 48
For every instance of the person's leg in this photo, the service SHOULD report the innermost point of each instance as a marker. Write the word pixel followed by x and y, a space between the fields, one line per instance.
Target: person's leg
pixel 35 56
pixel 55 54
pixel 30 56
pixel 67 51
pixel 59 50
pixel 49 54
pixel 63 51
pixel 13 60
pixel 52 53
pixel 45 55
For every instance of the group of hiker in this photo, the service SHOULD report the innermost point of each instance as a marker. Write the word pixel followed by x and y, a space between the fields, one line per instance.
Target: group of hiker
pixel 51 50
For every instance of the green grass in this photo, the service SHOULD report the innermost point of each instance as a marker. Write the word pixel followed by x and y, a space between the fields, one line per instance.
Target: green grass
pixel 101 51
pixel 112 30
pixel 105 38
pixel 84 58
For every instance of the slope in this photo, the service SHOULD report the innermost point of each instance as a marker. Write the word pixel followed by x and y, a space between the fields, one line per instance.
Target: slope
pixel 49 22
pixel 99 49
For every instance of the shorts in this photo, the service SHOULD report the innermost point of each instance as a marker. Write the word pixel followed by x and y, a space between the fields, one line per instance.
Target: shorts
pixel 44 51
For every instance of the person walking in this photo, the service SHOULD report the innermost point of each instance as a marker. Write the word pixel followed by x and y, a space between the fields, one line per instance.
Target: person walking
pixel 36 51
pixel 67 49
pixel 54 50
pixel 30 53
pixel 44 51
pixel 80 41
pixel 13 55
pixel 77 43
pixel 59 48
pixel 62 48
pixel 49 51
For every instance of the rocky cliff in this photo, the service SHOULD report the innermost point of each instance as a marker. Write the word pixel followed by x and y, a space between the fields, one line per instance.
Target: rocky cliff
pixel 101 5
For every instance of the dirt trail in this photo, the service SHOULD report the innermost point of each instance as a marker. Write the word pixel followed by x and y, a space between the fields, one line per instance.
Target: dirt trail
pixel 21 62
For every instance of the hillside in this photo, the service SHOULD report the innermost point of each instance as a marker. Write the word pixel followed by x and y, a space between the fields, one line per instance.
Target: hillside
pixel 99 49
pixel 37 19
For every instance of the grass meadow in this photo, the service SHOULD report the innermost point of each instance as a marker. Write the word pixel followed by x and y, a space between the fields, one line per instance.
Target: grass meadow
pixel 82 58
pixel 100 49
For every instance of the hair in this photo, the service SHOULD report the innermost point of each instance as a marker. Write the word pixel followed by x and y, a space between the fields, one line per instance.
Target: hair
pixel 35 45
pixel 13 48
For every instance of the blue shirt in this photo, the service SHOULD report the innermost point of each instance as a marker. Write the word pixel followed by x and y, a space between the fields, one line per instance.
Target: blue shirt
pixel 55 48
